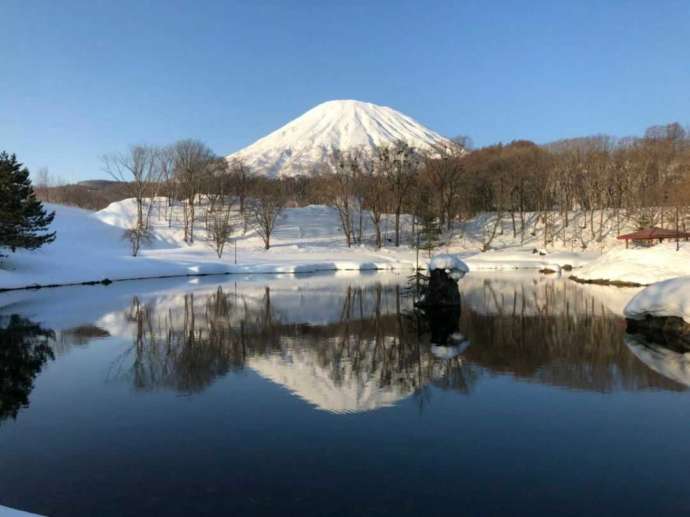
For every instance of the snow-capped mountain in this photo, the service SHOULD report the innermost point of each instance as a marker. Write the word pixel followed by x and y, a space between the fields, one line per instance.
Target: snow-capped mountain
pixel 302 146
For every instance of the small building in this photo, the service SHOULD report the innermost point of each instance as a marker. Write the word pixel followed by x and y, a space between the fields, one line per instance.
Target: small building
pixel 652 235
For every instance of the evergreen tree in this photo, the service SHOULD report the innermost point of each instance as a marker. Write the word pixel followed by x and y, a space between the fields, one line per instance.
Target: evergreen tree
pixel 429 233
pixel 24 350
pixel 428 226
pixel 23 220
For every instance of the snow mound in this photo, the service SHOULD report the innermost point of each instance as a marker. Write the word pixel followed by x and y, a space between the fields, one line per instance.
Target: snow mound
pixel 663 299
pixel 304 145
pixel 448 262
pixel 641 266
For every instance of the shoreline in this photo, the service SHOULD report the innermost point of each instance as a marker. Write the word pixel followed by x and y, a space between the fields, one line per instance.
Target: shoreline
pixel 603 281
pixel 108 281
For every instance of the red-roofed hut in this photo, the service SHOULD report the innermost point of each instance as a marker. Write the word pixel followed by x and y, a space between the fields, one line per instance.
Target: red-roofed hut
pixel 648 236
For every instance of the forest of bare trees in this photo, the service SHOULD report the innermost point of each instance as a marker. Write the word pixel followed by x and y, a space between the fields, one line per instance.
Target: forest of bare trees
pixel 641 181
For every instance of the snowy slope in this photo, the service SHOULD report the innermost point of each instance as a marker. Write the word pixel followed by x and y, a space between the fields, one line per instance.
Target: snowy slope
pixel 303 145
pixel 642 266
pixel 89 247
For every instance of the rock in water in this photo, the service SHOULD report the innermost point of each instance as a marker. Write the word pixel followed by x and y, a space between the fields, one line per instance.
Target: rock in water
pixel 441 291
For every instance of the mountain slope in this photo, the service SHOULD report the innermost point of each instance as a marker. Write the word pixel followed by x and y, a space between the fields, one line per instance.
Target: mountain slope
pixel 303 145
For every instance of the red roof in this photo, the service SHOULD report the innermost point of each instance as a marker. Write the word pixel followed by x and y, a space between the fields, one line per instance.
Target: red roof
pixel 654 233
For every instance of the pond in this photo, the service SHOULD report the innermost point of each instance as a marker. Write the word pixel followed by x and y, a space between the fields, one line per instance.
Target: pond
pixel 329 395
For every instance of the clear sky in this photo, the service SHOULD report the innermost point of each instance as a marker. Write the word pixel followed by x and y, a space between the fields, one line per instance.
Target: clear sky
pixel 82 78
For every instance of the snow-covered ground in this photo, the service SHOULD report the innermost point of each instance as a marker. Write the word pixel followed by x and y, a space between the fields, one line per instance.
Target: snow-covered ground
pixel 89 247
pixel 642 266
pixel 10 512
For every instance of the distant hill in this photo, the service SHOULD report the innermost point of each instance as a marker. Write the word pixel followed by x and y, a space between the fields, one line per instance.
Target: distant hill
pixel 98 184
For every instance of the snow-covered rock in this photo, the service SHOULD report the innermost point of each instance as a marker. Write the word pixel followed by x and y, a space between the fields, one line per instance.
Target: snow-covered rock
pixel 449 263
pixel 305 144
pixel 670 298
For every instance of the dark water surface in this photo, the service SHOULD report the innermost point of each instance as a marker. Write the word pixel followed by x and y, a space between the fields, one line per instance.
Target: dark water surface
pixel 323 395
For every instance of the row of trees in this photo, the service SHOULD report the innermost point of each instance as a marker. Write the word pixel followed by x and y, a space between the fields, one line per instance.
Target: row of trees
pixel 190 177
pixel 643 180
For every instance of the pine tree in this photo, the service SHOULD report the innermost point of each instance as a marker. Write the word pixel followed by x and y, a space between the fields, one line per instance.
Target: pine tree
pixel 429 229
pixel 429 233
pixel 23 219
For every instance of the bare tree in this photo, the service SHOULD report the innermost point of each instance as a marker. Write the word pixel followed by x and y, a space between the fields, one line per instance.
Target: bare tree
pixel 42 184
pixel 342 190
pixel 137 236
pixel 140 172
pixel 241 177
pixel 375 195
pixel 445 175
pixel 266 209
pixel 219 228
pixel 193 160
pixel 399 165
pixel 166 157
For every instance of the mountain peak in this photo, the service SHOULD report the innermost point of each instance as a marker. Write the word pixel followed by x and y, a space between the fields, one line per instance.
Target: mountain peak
pixel 301 146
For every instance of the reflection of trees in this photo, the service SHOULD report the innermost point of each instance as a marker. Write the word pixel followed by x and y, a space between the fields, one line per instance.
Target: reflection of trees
pixel 24 350
pixel 378 338
pixel 184 347
pixel 553 333
pixel 188 344
pixel 548 332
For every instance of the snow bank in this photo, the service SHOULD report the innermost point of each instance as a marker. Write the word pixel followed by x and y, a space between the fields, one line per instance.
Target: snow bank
pixel 90 248
pixel 667 298
pixel 642 266
pixel 525 258
pixel 9 512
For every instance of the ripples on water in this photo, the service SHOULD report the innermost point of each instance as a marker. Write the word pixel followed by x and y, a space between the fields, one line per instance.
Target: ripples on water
pixel 330 395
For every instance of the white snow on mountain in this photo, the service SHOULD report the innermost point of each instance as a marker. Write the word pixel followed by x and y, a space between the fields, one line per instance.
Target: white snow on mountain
pixel 302 146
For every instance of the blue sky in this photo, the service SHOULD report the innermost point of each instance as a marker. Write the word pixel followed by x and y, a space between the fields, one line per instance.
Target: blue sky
pixel 80 79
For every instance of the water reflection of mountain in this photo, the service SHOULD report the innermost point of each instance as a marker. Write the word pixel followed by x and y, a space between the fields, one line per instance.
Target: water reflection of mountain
pixel 366 347
pixel 368 356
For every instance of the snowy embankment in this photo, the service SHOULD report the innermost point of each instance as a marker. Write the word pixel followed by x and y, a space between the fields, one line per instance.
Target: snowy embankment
pixel 521 258
pixel 10 512
pixel 89 248
pixel 638 266
pixel 670 298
